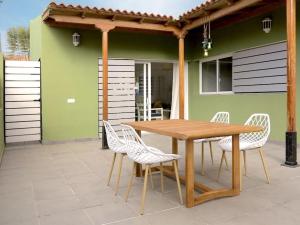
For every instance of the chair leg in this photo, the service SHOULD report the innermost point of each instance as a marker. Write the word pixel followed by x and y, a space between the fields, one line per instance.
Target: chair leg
pixel 211 153
pixel 220 167
pixel 119 173
pixel 202 159
pixel 151 178
pixel 264 165
pixel 111 168
pixel 161 177
pixel 130 181
pixel 178 181
pixel 144 190
pixel 245 164
pixel 226 162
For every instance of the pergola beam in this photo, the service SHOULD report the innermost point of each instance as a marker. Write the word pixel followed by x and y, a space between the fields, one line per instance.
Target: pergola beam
pixel 235 6
pixel 117 23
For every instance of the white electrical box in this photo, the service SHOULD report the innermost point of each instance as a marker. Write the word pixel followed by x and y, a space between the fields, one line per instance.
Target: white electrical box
pixel 71 100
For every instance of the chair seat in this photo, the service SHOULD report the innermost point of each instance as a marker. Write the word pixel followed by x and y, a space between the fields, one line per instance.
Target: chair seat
pixel 120 147
pixel 152 156
pixel 226 145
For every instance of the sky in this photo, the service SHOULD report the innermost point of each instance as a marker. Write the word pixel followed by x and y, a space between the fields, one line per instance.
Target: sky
pixel 20 12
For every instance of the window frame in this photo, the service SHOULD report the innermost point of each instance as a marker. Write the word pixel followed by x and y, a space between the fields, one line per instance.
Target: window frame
pixel 214 58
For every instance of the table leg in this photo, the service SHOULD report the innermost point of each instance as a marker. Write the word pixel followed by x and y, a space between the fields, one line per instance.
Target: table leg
pixel 174 146
pixel 236 168
pixel 138 166
pixel 189 173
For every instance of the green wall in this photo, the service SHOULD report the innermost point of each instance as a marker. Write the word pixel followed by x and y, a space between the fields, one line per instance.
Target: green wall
pixel 241 106
pixel 35 39
pixel 1 107
pixel 69 71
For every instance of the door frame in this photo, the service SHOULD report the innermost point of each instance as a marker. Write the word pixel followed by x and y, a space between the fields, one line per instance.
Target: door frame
pixel 186 82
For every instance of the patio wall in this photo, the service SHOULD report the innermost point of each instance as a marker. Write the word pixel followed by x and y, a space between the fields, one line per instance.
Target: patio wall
pixel 69 71
pixel 1 107
pixel 241 36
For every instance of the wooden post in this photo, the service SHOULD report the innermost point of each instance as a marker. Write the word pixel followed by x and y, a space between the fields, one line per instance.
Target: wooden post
pixel 181 76
pixel 105 30
pixel 291 134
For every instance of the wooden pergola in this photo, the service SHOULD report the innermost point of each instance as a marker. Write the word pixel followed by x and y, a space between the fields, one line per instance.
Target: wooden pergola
pixel 219 12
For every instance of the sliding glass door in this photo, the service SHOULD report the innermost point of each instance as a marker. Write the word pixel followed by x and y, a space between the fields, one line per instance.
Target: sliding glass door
pixel 143 91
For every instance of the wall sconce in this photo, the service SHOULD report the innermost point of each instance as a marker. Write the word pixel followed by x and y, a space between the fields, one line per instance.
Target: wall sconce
pixel 76 39
pixel 267 24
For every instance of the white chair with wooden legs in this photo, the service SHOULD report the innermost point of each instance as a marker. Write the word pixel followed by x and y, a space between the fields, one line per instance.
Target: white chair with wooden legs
pixel 145 155
pixel 219 117
pixel 251 141
pixel 118 146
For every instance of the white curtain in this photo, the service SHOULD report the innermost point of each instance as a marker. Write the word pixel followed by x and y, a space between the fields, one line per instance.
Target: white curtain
pixel 175 92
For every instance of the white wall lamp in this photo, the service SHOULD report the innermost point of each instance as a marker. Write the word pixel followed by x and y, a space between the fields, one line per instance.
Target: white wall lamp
pixel 76 39
pixel 267 25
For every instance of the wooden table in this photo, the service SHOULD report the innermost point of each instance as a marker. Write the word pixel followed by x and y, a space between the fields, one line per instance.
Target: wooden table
pixel 188 131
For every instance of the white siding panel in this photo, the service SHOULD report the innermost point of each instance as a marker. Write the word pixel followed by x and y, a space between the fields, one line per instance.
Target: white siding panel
pixel 22 97
pixel 118 74
pixel 22 118
pixel 26 111
pixel 31 84
pixel 22 77
pixel 120 81
pixel 12 63
pixel 15 139
pixel 17 125
pixel 12 70
pixel 118 62
pixel 118 68
pixel 25 91
pixel 16 105
pixel 26 131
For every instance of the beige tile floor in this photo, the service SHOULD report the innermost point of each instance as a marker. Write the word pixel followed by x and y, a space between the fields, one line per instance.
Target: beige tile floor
pixel 65 184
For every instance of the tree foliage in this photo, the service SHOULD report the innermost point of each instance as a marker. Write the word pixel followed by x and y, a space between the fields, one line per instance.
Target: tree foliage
pixel 18 40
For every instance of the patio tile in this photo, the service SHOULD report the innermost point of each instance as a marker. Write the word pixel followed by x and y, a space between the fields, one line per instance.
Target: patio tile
pixel 103 197
pixel 51 189
pixel 17 207
pixel 176 216
pixel 109 213
pixel 140 220
pixel 275 216
pixel 50 207
pixel 77 217
pixel 24 222
pixel 154 202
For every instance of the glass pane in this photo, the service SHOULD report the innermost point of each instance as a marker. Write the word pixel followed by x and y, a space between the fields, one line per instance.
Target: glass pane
pixel 225 74
pixel 209 76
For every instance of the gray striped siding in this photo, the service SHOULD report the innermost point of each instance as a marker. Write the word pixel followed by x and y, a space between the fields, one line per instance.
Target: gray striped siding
pixel 260 69
pixel 121 93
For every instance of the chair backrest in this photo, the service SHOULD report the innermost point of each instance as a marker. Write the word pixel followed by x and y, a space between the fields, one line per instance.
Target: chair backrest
pixel 113 139
pixel 221 117
pixel 262 120
pixel 135 144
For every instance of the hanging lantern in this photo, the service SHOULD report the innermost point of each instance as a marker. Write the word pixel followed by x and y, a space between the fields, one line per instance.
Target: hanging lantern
pixel 207 40
pixel 267 24
pixel 76 39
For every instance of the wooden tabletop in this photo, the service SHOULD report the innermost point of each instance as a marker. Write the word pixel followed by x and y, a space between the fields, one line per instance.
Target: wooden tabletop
pixel 192 129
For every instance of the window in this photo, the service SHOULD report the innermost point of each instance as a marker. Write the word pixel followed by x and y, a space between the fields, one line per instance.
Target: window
pixel 216 76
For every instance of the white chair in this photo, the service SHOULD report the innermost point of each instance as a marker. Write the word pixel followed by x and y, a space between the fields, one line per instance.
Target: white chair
pixel 145 155
pixel 250 141
pixel 156 113
pixel 118 147
pixel 219 117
